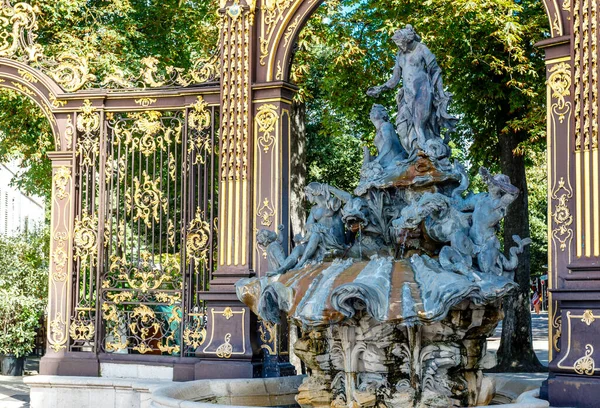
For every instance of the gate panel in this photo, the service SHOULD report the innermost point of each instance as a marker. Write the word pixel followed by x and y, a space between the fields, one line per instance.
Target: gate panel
pixel 144 229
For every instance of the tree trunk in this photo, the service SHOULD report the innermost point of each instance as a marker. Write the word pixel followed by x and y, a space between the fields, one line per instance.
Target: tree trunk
pixel 297 168
pixel 516 347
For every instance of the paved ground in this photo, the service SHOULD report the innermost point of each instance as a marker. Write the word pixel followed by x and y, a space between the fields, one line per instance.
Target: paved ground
pixel 15 394
pixel 539 327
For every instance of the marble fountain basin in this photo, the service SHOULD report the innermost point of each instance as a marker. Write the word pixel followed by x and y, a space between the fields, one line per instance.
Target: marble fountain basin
pixel 281 393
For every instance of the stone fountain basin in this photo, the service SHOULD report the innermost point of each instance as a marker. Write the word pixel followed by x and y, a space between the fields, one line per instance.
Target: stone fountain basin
pixel 281 393
pixel 259 392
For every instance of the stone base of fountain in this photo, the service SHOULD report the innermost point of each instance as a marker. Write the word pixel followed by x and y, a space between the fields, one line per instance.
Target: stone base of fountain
pixel 365 363
pixel 280 393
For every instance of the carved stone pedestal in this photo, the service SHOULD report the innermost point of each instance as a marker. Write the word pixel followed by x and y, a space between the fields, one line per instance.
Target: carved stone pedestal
pixel 367 363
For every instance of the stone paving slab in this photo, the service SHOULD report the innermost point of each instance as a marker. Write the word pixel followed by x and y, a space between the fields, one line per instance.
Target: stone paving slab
pixel 13 392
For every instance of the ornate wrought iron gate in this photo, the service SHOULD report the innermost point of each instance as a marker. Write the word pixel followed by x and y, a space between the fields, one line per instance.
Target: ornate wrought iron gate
pixel 144 232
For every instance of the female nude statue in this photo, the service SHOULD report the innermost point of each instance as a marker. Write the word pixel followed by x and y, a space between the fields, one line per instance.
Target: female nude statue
pixel 422 101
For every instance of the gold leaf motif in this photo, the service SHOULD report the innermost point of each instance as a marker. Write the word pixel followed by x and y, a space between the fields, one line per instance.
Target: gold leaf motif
pixel 273 14
pixel 225 350
pixel 167 298
pixel 59 257
pixel 228 313
pixel 57 337
pixel 588 317
pixel 145 102
pixel 62 177
pixel 88 144
pixel 85 238
pixel 557 324
pixel 266 213
pixel 82 329
pixel 199 117
pixel 279 75
pixel 562 215
pixel 120 297
pixel 195 335
pixel 560 84
pixel 18 25
pixel 144 276
pixel 23 88
pixel 171 233
pixel 586 364
pixel 71 71
pixel 27 76
pixel 147 200
pixel 56 103
pixel 267 119
pixel 268 337
pixel 198 238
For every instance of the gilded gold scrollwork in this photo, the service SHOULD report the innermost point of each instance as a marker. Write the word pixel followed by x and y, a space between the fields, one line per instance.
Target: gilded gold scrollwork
pixel 57 335
pixel 82 328
pixel 274 13
pixel 88 144
pixel 89 119
pixel 152 76
pixel 557 325
pixel 119 340
pixel 61 178
pixel 561 215
pixel 23 88
pixel 198 238
pixel 225 350
pixel 146 102
pixel 85 238
pixel 586 364
pixel 266 213
pixel 560 84
pixel 59 257
pixel 171 299
pixel 18 25
pixel 56 103
pixel 120 297
pixel 71 71
pixel 27 76
pixel 268 337
pixel 147 200
pixel 279 75
pixel 199 117
pixel 195 334
pixel 144 276
pixel 266 119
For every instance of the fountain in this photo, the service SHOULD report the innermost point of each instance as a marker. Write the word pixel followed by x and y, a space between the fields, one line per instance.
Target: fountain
pixel 396 287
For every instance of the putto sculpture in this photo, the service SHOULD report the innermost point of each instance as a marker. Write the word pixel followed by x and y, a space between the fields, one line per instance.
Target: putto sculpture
pixel 396 286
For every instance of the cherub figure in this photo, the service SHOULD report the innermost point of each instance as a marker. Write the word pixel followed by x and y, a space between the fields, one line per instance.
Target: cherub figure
pixel 271 242
pixel 488 210
pixel 386 140
pixel 324 228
